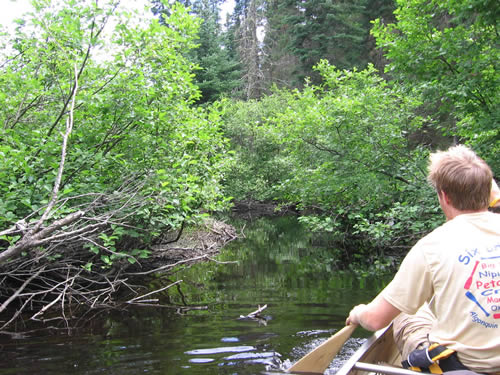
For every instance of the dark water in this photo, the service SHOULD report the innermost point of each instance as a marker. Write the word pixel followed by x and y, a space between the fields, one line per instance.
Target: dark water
pixel 278 265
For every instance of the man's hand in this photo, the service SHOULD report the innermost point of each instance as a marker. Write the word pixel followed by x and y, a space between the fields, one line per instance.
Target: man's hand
pixel 374 316
pixel 354 315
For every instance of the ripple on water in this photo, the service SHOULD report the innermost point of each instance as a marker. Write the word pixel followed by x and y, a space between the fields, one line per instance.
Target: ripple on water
pixel 247 356
pixel 226 349
pixel 314 332
pixel 201 360
pixel 349 348
pixel 230 339
pixel 244 355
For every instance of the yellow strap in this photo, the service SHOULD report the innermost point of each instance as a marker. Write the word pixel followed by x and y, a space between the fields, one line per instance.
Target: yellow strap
pixel 435 369
pixel 433 346
pixel 444 354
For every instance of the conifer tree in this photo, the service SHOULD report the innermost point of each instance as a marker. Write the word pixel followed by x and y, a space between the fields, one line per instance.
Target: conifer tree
pixel 301 33
pixel 218 73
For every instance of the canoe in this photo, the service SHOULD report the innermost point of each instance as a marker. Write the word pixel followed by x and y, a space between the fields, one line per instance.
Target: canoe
pixel 377 355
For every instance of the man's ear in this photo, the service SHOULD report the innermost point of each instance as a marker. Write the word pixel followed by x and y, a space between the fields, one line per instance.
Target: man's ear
pixel 444 197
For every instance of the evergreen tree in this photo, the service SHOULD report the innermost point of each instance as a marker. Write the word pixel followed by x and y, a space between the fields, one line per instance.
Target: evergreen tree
pixel 448 51
pixel 301 33
pixel 311 30
pixel 280 63
pixel 218 73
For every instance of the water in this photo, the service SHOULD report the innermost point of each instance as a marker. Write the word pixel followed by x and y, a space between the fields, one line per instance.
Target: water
pixel 278 265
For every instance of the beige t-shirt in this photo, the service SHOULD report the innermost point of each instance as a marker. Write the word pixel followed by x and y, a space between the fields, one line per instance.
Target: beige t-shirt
pixel 459 264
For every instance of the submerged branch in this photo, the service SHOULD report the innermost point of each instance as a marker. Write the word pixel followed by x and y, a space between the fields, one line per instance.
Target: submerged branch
pixel 139 299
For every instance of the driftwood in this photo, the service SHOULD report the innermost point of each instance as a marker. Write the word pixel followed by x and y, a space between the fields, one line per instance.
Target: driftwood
pixel 256 315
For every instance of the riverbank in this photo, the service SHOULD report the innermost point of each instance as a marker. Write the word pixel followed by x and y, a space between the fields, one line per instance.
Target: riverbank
pixel 47 290
pixel 195 244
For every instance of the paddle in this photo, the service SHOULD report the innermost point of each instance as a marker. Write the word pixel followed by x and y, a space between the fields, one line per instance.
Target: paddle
pixel 317 360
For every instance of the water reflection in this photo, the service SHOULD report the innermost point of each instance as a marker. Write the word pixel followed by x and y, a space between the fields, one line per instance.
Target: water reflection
pixel 279 264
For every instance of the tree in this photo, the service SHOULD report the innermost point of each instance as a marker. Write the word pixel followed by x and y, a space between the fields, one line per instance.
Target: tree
pixel 218 72
pixel 342 153
pixel 248 20
pixel 448 50
pixel 353 122
pixel 301 33
pixel 103 152
pixel 280 63
pixel 258 167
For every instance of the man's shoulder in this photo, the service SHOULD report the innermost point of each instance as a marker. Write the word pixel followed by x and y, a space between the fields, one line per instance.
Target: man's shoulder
pixel 485 219
pixel 481 219
pixel 463 226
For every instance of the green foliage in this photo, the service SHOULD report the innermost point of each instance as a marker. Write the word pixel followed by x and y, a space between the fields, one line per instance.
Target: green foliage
pixel 258 165
pixel 137 138
pixel 354 149
pixel 348 140
pixel 342 152
pixel 448 50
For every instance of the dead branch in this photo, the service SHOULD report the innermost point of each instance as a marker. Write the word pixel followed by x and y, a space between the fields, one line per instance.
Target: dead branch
pixel 221 262
pixel 32 239
pixel 17 313
pixel 168 266
pixel 139 299
pixel 255 313
pixel 57 183
pixel 40 283
pixel 18 292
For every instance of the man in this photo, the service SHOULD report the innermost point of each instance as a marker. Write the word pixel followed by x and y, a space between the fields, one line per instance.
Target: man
pixel 453 273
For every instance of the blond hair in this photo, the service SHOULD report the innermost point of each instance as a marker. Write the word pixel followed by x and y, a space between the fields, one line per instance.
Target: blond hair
pixel 463 176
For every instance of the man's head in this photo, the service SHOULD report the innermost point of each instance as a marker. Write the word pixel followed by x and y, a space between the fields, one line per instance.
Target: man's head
pixel 463 177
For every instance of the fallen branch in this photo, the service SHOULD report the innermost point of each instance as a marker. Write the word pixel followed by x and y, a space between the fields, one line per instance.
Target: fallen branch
pixel 138 299
pixel 31 240
pixel 254 314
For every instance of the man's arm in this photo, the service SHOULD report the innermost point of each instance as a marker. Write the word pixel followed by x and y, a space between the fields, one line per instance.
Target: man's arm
pixel 374 316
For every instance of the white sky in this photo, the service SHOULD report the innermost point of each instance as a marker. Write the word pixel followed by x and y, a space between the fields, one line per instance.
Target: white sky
pixel 12 10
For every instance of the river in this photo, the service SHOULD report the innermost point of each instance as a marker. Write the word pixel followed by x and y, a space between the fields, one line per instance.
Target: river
pixel 279 264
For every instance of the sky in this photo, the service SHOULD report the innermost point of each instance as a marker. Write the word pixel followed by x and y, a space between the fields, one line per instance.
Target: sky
pixel 12 10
